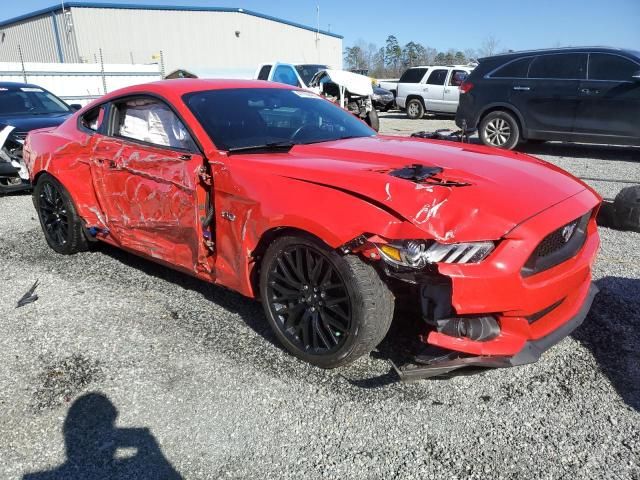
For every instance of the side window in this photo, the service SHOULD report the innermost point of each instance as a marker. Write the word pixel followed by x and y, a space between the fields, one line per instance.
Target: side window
pixel 151 121
pixel 264 72
pixel 568 66
pixel 457 77
pixel 285 74
pixel 92 120
pixel 603 66
pixel 413 75
pixel 515 69
pixel 437 77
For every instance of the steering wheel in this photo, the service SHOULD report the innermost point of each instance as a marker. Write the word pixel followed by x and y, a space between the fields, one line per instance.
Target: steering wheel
pixel 301 129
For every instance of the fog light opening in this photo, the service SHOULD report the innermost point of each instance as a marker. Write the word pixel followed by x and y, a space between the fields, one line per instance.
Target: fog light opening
pixel 479 329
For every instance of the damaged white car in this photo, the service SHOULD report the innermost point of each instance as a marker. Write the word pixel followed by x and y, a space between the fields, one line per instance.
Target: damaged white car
pixel 349 90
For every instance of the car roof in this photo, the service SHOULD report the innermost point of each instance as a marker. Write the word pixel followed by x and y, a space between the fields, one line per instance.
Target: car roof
pixel 19 85
pixel 182 86
pixel 598 49
pixel 440 66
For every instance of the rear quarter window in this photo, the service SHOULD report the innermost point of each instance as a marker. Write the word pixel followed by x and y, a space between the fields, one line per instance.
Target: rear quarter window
pixel 413 75
pixel 604 66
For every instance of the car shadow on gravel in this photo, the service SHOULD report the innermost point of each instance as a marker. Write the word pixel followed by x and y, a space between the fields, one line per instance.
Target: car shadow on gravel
pixel 396 114
pixel 580 150
pixel 97 449
pixel 611 332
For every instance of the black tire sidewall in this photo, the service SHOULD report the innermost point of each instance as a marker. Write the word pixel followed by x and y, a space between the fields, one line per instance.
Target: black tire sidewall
pixel 372 120
pixel 75 240
pixel 329 360
pixel 513 124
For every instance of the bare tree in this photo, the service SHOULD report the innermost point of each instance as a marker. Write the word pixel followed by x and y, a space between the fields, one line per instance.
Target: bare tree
pixel 489 46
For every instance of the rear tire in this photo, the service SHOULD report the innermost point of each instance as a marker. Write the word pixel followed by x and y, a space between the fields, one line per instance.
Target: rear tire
pixel 325 308
pixel 499 129
pixel 415 109
pixel 60 222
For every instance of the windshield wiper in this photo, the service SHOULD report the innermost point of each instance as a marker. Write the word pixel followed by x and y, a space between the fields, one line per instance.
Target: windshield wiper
pixel 266 147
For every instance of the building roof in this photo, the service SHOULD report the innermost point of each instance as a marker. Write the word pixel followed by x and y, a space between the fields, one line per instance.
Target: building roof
pixel 138 6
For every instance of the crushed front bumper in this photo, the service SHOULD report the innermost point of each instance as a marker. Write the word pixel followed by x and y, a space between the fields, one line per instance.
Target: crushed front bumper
pixel 530 353
pixel 525 314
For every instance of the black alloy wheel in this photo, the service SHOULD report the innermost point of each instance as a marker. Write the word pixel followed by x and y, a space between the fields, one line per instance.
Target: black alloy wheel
pixel 60 223
pixel 309 300
pixel 54 215
pixel 326 308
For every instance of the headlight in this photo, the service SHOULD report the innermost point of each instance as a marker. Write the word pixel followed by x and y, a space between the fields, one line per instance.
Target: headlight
pixel 418 253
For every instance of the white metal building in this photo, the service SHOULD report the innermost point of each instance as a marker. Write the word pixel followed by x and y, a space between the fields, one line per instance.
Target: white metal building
pixel 204 39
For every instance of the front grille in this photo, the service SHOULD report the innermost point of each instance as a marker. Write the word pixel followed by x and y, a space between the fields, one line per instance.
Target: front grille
pixel 557 247
pixel 556 240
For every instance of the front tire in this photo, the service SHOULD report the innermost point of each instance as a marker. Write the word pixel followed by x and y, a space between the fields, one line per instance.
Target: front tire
pixel 372 120
pixel 415 109
pixel 499 129
pixel 60 222
pixel 325 308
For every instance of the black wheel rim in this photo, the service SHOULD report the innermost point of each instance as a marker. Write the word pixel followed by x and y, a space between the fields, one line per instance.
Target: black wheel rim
pixel 53 213
pixel 309 300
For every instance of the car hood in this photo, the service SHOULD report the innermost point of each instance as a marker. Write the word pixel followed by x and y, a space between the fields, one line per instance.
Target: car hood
pixel 501 189
pixel 26 123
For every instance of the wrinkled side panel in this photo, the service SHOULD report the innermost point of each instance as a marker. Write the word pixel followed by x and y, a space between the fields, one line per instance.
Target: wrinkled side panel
pixel 65 155
pixel 332 215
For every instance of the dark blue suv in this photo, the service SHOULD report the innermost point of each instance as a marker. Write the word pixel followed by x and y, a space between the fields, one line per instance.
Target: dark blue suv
pixel 589 94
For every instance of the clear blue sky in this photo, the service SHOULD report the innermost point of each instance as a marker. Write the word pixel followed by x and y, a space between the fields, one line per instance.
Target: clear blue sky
pixel 516 24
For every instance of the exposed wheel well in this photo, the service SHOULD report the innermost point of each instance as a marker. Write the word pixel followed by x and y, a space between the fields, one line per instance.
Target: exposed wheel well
pixel 501 108
pixel 415 97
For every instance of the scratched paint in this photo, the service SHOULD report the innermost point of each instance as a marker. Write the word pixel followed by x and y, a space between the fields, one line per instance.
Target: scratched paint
pixel 152 201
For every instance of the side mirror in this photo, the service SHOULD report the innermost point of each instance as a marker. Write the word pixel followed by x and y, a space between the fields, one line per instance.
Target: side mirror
pixel 636 76
pixel 75 107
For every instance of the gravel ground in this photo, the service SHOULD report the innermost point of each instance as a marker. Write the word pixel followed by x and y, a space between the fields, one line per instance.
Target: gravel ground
pixel 125 369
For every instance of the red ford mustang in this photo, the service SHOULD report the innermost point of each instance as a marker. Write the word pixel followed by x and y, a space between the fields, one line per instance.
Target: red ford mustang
pixel 283 196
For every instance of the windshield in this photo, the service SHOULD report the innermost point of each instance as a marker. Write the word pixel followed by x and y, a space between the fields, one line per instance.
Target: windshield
pixel 252 117
pixel 30 101
pixel 307 72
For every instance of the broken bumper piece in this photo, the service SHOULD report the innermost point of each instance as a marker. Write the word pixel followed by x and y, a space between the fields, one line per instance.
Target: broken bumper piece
pixel 530 353
pixel 10 179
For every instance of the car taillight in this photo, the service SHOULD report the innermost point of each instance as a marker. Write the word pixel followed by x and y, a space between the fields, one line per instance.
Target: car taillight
pixel 466 86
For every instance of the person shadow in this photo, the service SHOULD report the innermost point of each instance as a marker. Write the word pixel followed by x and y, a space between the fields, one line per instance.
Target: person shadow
pixel 97 450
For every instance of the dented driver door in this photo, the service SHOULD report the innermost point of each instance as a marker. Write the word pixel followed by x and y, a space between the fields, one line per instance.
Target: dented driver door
pixel 146 179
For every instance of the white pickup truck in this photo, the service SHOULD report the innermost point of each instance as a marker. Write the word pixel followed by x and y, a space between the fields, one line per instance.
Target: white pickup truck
pixel 430 89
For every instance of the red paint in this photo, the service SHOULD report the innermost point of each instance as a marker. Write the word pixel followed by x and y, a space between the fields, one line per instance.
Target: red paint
pixel 152 202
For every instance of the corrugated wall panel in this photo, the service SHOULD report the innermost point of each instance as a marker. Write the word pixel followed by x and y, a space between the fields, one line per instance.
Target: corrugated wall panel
pixel 67 37
pixel 36 39
pixel 196 39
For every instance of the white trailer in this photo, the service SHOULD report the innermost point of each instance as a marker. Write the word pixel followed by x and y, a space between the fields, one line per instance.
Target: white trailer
pixel 79 82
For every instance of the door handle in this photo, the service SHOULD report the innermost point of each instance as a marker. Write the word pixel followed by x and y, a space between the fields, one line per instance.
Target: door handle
pixel 446 90
pixel 588 91
pixel 520 88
